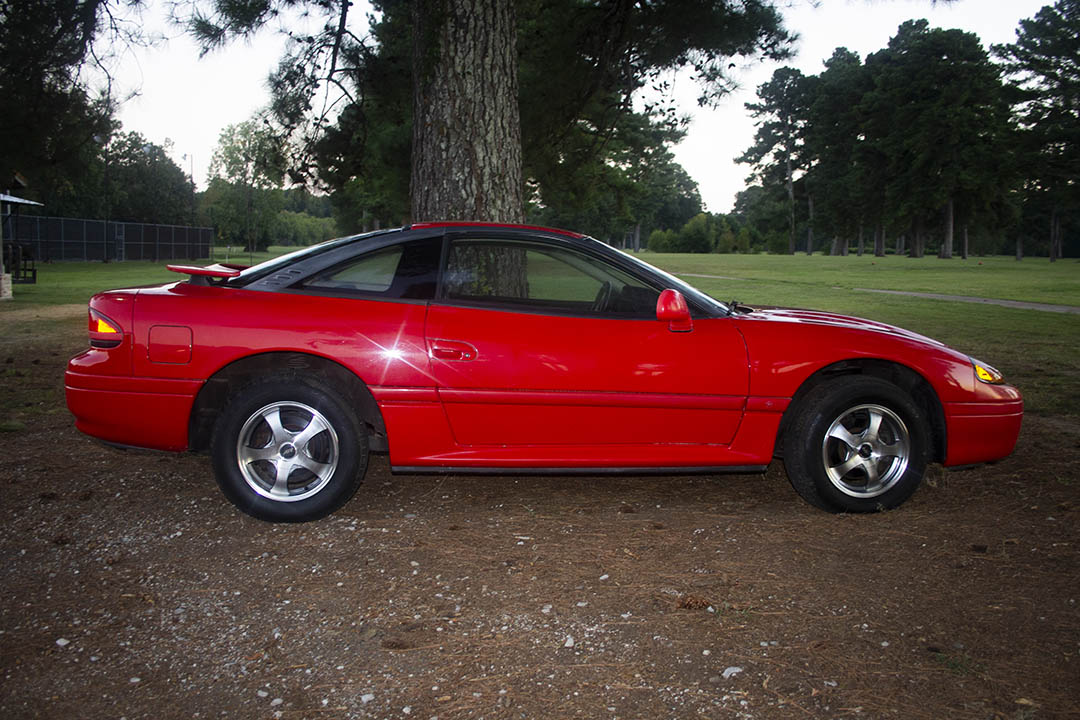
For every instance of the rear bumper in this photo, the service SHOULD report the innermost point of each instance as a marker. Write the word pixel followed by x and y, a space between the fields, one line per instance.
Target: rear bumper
pixel 139 412
pixel 982 431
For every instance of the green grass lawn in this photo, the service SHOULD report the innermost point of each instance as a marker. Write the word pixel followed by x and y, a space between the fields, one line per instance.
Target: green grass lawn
pixel 1032 280
pixel 1036 350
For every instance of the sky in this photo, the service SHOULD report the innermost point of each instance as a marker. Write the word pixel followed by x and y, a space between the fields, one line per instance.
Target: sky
pixel 187 100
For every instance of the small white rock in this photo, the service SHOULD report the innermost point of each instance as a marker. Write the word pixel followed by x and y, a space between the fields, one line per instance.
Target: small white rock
pixel 604 576
pixel 406 710
pixel 706 652
pixel 731 671
pixel 546 609
pixel 366 698
pixel 135 680
pixel 63 642
pixel 262 693
pixel 569 641
pixel 275 702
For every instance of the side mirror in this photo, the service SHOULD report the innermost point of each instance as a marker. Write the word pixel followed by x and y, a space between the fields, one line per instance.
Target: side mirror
pixel 671 308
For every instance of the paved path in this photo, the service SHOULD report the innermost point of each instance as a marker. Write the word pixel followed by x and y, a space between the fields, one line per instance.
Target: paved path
pixel 1068 309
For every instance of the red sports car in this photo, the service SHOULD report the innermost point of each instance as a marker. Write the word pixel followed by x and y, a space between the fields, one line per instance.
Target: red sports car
pixel 476 348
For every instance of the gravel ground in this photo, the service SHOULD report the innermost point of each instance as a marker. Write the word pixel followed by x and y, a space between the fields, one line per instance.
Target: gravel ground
pixel 130 588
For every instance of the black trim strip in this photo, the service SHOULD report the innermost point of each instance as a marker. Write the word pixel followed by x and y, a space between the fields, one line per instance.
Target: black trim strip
pixel 706 470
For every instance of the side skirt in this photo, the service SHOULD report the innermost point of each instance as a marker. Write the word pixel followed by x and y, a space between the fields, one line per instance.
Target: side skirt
pixel 722 469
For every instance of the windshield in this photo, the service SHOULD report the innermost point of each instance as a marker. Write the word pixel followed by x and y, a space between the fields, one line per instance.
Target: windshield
pixel 263 269
pixel 675 283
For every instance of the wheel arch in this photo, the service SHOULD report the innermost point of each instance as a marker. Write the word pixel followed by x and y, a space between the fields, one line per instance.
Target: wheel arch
pixel 216 390
pixel 908 380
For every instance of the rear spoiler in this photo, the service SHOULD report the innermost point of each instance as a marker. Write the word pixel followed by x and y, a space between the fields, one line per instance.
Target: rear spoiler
pixel 202 275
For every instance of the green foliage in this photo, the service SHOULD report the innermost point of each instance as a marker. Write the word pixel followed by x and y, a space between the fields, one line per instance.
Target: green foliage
pixel 293 228
pixel 1044 66
pixel 932 87
pixel 246 173
pixel 248 153
pixel 242 215
pixel 726 240
pixel 50 114
pixel 143 184
pixel 919 140
pixel 697 236
pixel 832 140
pixel 589 160
pixel 663 241
pixel 777 153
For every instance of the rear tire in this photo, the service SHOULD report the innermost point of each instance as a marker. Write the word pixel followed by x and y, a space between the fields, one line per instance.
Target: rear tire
pixel 288 449
pixel 856 444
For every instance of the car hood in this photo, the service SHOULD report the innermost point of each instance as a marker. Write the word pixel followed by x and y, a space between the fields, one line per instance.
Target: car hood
pixel 817 317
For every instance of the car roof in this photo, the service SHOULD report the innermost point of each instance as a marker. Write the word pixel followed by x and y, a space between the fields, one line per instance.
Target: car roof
pixel 493 226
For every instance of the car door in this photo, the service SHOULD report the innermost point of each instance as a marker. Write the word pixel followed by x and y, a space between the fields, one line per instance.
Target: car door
pixel 534 341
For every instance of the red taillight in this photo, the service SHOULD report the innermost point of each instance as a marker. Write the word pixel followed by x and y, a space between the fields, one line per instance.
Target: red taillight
pixel 105 333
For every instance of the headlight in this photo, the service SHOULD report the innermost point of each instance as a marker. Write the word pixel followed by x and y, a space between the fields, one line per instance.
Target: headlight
pixel 987 373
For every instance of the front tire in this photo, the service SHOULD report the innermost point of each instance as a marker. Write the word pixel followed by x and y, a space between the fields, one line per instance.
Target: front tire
pixel 287 449
pixel 856 444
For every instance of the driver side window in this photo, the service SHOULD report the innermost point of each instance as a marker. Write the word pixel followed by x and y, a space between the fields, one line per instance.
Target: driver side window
pixel 533 276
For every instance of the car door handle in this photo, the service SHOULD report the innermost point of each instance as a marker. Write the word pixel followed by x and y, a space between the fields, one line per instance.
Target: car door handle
pixel 451 350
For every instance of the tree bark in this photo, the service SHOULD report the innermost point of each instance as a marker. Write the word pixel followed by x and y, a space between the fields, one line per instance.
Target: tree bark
pixel 835 249
pixel 791 204
pixel 1019 247
pixel 810 225
pixel 466 155
pixel 965 246
pixel 859 250
pixel 947 243
pixel 1055 235
pixel 918 241
pixel 900 242
pixel 879 241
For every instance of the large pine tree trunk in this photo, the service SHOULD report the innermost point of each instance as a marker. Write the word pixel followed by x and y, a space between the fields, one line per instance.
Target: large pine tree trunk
pixel 965 244
pixel 810 225
pixel 879 241
pixel 466 154
pixel 859 247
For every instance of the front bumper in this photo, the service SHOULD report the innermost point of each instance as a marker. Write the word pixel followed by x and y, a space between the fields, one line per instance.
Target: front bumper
pixel 983 431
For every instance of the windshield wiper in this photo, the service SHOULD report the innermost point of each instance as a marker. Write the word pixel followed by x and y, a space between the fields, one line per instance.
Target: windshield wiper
pixel 737 307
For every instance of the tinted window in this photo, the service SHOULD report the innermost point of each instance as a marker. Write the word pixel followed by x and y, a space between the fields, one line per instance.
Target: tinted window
pixel 404 271
pixel 540 277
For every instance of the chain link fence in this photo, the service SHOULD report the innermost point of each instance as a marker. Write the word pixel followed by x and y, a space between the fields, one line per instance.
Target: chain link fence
pixel 54 239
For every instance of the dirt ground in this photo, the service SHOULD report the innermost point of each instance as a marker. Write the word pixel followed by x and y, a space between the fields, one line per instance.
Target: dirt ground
pixel 130 588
